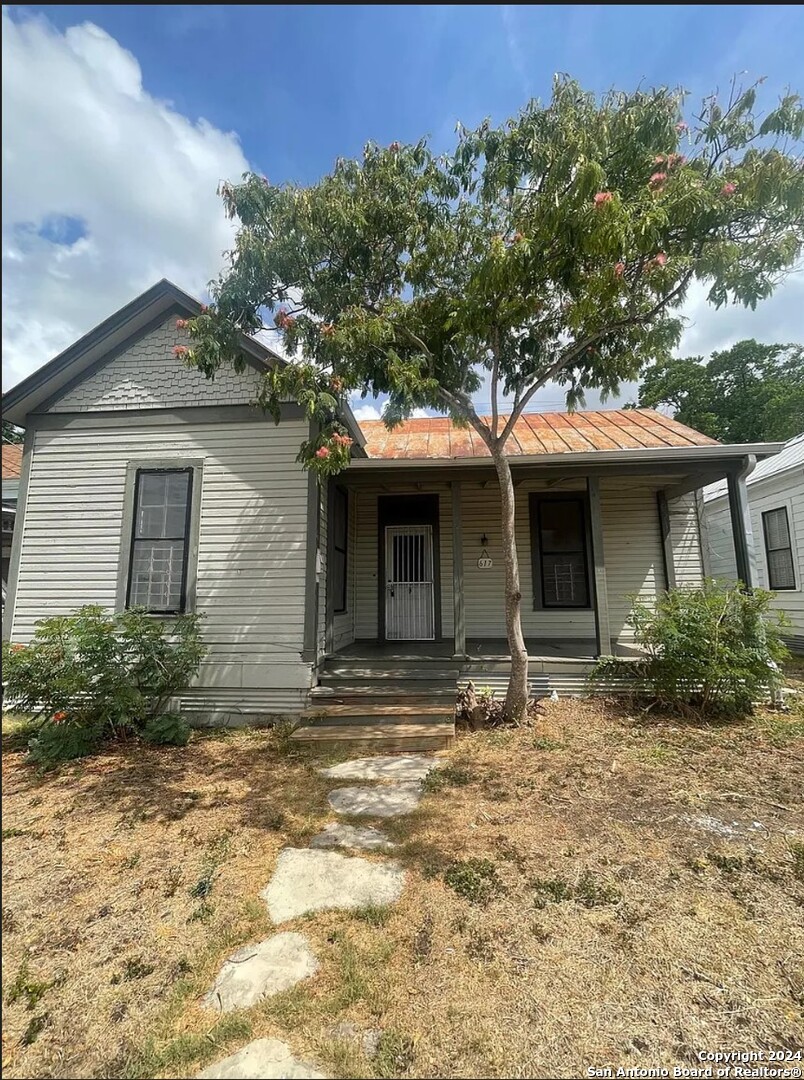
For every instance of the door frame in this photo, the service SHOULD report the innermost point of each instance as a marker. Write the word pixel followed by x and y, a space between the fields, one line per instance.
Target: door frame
pixel 408 510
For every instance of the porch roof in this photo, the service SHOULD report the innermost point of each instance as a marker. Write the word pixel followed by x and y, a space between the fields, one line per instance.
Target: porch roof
pixel 533 434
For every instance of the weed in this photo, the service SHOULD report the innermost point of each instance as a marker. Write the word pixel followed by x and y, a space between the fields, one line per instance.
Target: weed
pixel 372 914
pixel 475 880
pixel 423 939
pixel 394 1054
pixel 131 861
pixel 9 833
pixel 203 913
pixel 9 924
pixel 587 891
pixel 133 968
pixel 542 742
pixel 727 863
pixel 36 1025
pixel 172 880
pixel 203 887
pixel 447 776
pixel 28 989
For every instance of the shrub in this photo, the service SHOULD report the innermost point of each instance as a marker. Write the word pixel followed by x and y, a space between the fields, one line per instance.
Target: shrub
pixel 715 649
pixel 91 675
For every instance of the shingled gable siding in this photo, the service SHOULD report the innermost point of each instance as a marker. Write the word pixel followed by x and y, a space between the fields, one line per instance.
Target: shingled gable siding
pixel 633 554
pixel 148 375
pixel 251 551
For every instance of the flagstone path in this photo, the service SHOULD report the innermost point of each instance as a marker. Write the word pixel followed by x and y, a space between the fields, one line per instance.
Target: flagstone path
pixel 312 879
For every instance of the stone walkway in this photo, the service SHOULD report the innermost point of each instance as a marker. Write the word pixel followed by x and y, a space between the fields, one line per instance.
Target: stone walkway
pixel 315 879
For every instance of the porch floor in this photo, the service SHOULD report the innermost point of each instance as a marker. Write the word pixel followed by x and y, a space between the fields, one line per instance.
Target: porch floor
pixel 476 649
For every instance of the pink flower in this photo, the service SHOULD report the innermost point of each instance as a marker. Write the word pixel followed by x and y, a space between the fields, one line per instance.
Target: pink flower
pixel 283 320
pixel 603 197
pixel 728 189
pixel 675 159
pixel 341 440
pixel 681 126
pixel 619 269
pixel 204 308
pixel 659 159
pixel 395 147
pixel 658 260
pixel 657 179
pixel 322 452
pixel 181 324
pixel 180 350
pixel 59 717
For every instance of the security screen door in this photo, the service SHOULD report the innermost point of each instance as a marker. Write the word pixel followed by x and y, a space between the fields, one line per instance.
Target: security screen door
pixel 409 599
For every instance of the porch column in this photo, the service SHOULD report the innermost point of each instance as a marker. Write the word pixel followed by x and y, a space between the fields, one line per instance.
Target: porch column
pixel 741 531
pixel 667 543
pixel 310 642
pixel 602 626
pixel 459 618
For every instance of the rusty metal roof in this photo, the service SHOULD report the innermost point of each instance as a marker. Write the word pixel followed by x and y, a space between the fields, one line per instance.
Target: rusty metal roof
pixel 12 461
pixel 534 433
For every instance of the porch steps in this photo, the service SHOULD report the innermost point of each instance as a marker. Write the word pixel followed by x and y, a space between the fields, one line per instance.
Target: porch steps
pixel 395 727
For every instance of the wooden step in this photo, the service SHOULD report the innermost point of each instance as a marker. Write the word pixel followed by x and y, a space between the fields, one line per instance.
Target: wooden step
pixel 401 693
pixel 390 673
pixel 390 738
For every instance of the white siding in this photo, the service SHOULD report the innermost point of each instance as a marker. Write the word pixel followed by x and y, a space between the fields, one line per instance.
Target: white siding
pixel 148 375
pixel 781 489
pixel 632 549
pixel 686 540
pixel 251 550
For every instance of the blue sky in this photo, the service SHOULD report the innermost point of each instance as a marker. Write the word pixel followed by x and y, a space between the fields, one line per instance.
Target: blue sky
pixel 121 120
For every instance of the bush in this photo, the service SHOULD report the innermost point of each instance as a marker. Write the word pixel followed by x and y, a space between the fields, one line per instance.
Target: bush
pixel 715 649
pixel 91 675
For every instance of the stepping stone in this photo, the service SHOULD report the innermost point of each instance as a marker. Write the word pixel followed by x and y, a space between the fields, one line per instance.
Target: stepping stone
pixel 393 767
pixel 352 836
pixel 389 800
pixel 315 880
pixel 268 1059
pixel 257 971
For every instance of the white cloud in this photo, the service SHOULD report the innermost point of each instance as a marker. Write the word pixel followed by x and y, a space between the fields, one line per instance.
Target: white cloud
pixel 367 412
pixel 106 189
pixel 779 319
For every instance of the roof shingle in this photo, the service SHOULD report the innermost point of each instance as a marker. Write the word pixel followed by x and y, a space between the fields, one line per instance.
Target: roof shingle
pixel 533 434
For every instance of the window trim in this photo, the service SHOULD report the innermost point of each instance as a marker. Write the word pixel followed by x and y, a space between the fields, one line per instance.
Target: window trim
pixel 788 519
pixel 339 490
pixel 535 501
pixel 185 539
pixel 190 570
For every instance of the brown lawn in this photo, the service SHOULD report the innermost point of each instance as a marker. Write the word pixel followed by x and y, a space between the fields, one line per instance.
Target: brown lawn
pixel 607 888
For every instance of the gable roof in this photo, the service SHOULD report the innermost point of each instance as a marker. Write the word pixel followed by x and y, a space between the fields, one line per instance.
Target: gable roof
pixel 12 461
pixel 790 457
pixel 105 341
pixel 534 434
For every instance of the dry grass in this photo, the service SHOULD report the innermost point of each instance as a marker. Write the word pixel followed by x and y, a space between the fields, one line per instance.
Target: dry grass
pixel 603 889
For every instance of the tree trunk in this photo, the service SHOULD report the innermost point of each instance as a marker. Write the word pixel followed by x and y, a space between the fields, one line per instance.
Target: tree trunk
pixel 516 699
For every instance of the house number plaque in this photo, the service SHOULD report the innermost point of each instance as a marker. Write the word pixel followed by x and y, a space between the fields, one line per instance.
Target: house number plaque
pixel 485 562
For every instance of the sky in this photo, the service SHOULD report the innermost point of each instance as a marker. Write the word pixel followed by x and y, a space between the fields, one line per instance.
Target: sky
pixel 119 123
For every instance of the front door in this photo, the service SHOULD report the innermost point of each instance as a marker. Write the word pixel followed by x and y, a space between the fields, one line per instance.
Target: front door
pixel 409 596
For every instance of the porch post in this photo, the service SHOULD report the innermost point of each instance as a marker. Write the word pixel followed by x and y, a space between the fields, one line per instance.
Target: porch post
pixel 602 626
pixel 667 543
pixel 312 561
pixel 459 619
pixel 741 531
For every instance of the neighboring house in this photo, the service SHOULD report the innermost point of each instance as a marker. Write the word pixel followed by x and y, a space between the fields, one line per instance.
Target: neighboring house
pixel 11 464
pixel 776 499
pixel 365 599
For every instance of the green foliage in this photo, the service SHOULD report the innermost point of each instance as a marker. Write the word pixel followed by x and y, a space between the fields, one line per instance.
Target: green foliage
pixel 11 433
pixel 168 729
pixel 91 675
pixel 748 393
pixel 476 880
pixel 713 649
pixel 559 245
pixel 587 891
pixel 446 776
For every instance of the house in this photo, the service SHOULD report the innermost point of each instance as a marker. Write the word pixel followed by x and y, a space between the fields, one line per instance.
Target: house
pixel 775 490
pixel 362 602
pixel 11 465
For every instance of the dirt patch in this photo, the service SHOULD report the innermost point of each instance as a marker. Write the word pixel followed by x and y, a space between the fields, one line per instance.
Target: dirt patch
pixel 567 904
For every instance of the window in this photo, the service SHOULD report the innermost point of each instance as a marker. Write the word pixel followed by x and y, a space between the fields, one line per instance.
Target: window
pixel 778 550
pixel 340 543
pixel 157 576
pixel 560 561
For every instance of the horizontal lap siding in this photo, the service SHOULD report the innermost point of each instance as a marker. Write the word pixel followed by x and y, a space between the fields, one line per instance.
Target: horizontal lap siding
pixel 251 550
pixel 686 540
pixel 785 489
pixel 633 554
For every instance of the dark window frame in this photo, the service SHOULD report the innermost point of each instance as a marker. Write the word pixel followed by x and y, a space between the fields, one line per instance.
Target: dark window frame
pixel 134 539
pixel 536 500
pixel 788 547
pixel 343 494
